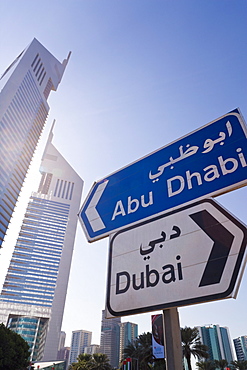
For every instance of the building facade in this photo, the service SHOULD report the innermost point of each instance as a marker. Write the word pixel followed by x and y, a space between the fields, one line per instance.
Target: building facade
pixel 24 90
pixel 128 333
pixel 218 341
pixel 62 339
pixel 110 338
pixel 92 349
pixel 240 345
pixel 79 341
pixel 63 355
pixel 34 292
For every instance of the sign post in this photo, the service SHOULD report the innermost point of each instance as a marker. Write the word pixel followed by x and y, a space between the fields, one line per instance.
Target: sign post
pixel 172 339
pixel 170 245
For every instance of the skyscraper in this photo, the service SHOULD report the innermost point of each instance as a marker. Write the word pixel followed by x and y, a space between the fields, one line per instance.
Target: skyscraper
pixel 33 295
pixel 79 341
pixel 24 90
pixel 62 340
pixel 128 334
pixel 92 349
pixel 218 341
pixel 109 339
pixel 240 345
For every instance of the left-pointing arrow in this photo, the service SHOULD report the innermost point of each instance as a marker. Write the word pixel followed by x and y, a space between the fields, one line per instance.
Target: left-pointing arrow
pixel 91 211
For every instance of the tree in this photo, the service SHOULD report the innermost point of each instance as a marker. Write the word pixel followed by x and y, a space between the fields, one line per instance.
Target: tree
pixel 146 350
pixel 98 361
pixel 141 351
pixel 14 350
pixel 159 364
pixel 205 365
pixel 221 364
pixel 83 362
pixel 240 365
pixel 84 357
pixel 133 351
pixel 191 345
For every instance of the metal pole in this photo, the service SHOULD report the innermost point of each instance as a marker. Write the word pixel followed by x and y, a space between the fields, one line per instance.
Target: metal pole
pixel 172 340
pixel 136 367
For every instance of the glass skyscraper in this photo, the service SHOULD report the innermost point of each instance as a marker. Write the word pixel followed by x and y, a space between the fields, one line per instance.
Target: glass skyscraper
pixel 109 339
pixel 33 295
pixel 240 345
pixel 24 89
pixel 128 334
pixel 218 341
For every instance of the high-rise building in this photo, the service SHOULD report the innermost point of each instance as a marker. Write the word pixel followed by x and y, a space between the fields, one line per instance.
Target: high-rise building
pixel 128 334
pixel 62 339
pixel 34 292
pixel 218 341
pixel 92 349
pixel 79 341
pixel 109 339
pixel 24 90
pixel 240 345
pixel 63 355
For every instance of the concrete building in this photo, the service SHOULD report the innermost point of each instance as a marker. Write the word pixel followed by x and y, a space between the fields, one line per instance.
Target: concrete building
pixel 109 339
pixel 79 341
pixel 63 355
pixel 128 333
pixel 240 345
pixel 34 292
pixel 93 348
pixel 24 90
pixel 63 352
pixel 218 341
pixel 62 339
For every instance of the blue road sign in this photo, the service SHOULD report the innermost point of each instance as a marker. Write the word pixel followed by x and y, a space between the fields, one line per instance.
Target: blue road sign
pixel 205 163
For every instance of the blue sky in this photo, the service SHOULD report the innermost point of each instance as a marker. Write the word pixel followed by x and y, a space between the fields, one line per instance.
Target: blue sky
pixel 142 73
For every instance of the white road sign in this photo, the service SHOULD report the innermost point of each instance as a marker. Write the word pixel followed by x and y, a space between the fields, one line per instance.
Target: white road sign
pixel 191 255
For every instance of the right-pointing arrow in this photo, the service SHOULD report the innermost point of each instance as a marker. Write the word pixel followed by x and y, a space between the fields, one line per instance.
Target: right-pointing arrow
pixel 222 239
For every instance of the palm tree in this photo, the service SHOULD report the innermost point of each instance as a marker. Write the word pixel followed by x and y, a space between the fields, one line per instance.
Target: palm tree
pixel 221 364
pixel 191 345
pixel 83 362
pixel 146 350
pixel 141 351
pixel 82 365
pixel 100 361
pixel 131 349
pixel 159 364
pixel 240 365
pixel 84 357
pixel 205 365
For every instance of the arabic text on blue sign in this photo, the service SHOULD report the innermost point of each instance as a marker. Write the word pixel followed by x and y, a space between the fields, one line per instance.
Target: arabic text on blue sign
pixel 207 162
